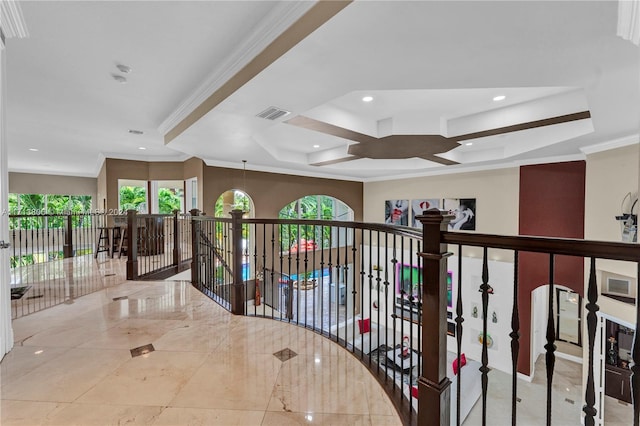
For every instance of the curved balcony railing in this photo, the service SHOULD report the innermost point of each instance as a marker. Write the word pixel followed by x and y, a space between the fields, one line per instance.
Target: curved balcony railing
pixel 398 299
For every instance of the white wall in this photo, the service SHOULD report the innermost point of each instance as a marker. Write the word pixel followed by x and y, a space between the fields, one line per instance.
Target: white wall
pixel 500 302
pixel 500 278
pixel 610 176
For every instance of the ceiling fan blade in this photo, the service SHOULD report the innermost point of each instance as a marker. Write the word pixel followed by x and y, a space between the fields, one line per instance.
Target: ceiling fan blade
pixel 524 126
pixel 439 160
pixel 329 129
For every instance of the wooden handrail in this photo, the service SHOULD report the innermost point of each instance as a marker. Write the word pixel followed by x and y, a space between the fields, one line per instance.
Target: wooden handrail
pixel 561 246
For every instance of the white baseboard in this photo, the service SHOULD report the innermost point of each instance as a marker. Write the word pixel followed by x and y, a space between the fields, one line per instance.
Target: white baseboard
pixel 525 377
pixel 568 357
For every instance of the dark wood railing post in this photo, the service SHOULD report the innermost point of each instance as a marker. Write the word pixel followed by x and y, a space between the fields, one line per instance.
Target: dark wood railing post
pixel 67 249
pixel 132 244
pixel 434 400
pixel 635 368
pixel 177 249
pixel 237 288
pixel 195 243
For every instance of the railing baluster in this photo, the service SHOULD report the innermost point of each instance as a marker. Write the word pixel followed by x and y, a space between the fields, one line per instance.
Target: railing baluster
pixel 322 248
pixel 592 322
pixel 318 279
pixel 515 340
pixel 337 283
pixel 550 347
pixel 484 369
pixel 330 264
pixel 384 304
pixel 459 321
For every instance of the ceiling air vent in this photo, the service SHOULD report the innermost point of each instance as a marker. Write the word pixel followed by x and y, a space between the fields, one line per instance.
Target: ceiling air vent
pixel 273 113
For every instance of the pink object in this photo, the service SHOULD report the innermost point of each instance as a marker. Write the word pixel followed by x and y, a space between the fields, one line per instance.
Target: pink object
pixel 364 325
pixel 463 362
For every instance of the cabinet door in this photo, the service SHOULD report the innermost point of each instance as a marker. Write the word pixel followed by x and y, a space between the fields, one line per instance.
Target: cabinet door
pixel 613 383
pixel 626 387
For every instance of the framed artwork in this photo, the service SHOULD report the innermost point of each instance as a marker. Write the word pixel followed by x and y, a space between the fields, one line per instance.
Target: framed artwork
pixel 464 210
pixel 409 282
pixel 479 337
pixel 396 212
pixel 408 279
pixel 419 206
pixel 451 328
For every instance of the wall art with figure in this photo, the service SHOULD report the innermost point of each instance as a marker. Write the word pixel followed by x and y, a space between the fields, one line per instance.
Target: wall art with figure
pixel 396 212
pixel 419 206
pixel 464 210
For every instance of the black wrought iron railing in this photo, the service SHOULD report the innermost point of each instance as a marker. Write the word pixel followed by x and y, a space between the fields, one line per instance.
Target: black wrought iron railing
pixel 48 260
pixel 410 304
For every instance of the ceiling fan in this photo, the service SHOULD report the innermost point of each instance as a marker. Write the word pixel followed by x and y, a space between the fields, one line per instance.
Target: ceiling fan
pixel 426 147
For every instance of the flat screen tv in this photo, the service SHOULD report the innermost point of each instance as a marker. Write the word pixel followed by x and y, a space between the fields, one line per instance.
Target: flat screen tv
pixel 409 282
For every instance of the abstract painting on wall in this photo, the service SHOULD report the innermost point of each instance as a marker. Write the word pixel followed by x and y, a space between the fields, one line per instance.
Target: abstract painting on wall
pixel 464 210
pixel 419 206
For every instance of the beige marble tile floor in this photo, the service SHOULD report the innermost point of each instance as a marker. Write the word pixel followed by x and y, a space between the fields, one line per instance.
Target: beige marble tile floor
pixel 72 365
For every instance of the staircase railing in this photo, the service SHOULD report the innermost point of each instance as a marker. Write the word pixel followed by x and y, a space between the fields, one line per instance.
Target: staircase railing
pixel 410 303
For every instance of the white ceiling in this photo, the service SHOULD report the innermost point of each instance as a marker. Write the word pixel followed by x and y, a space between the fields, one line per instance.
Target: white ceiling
pixel 432 68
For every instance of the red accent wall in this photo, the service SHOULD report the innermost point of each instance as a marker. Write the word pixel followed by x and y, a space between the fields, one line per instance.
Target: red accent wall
pixel 551 205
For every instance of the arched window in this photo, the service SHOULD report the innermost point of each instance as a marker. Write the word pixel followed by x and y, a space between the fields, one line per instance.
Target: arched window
pixel 231 200
pixel 308 237
pixel 321 207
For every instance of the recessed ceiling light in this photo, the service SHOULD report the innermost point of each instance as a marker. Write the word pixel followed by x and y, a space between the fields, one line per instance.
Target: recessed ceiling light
pixel 316 146
pixel 135 132
pixel 123 68
pixel 33 149
pixel 469 143
pixel 367 99
pixel 120 79
pixel 142 147
pixel 499 98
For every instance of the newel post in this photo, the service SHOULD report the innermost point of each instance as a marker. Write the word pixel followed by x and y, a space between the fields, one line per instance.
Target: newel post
pixel 433 385
pixel 67 249
pixel 132 244
pixel 195 244
pixel 237 288
pixel 177 249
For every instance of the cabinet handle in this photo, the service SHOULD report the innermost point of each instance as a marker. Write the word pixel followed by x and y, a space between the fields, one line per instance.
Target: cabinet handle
pixel 622 387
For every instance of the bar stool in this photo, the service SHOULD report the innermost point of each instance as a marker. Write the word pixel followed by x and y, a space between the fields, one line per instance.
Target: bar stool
pixel 104 241
pixel 122 241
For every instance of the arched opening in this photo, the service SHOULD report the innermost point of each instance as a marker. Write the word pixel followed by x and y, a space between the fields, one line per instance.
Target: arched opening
pixel 236 199
pixel 567 308
pixel 233 199
pixel 319 283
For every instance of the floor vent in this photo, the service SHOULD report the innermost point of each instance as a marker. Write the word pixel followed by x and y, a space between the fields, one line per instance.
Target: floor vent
pixel 142 350
pixel 273 113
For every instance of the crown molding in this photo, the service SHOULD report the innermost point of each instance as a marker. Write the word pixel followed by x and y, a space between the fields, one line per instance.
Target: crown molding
pixel 275 23
pixel 52 173
pixel 606 146
pixel 12 21
pixel 147 158
pixel 279 170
